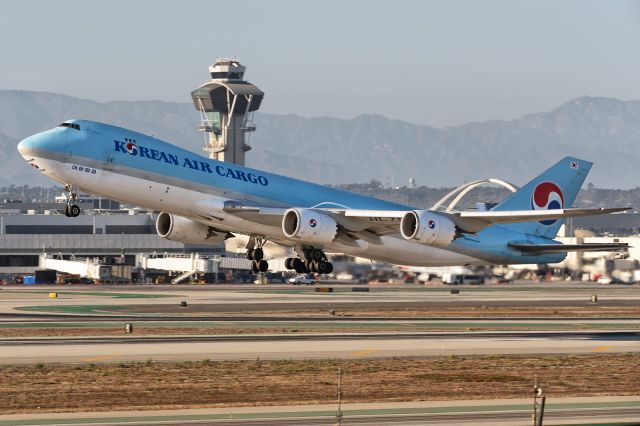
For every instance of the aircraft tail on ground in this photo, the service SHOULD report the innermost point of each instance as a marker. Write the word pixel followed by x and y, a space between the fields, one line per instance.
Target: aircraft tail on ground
pixel 555 188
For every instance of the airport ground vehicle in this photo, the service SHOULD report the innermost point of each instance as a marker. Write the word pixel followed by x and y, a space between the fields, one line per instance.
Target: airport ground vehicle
pixel 306 279
pixel 462 279
pixel 612 280
pixel 78 280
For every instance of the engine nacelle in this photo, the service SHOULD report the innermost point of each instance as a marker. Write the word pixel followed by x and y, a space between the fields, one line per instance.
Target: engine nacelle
pixel 309 226
pixel 181 229
pixel 427 227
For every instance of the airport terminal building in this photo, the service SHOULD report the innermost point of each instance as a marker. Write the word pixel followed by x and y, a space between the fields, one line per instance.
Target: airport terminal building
pixel 28 230
pixel 112 234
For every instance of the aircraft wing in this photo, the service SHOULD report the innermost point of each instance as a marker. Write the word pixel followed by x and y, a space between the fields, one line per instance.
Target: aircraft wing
pixel 561 248
pixel 476 221
pixel 358 227
pixel 369 224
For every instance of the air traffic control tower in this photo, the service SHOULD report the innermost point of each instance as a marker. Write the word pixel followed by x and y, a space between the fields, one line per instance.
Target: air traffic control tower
pixel 226 104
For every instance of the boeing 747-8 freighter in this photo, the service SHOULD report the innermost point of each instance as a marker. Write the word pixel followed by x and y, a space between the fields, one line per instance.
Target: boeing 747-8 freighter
pixel 204 201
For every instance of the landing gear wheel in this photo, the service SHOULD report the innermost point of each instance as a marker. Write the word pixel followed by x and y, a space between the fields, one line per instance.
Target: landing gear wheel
pixel 325 267
pixel 258 254
pixel 298 265
pixel 316 255
pixel 289 263
pixel 250 254
pixel 263 266
pixel 309 266
pixel 329 268
pixel 74 210
pixel 254 267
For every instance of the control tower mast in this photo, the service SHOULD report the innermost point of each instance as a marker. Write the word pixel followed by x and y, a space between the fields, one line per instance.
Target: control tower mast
pixel 226 104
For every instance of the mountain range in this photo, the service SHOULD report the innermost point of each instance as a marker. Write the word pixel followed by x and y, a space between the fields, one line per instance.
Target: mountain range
pixel 367 147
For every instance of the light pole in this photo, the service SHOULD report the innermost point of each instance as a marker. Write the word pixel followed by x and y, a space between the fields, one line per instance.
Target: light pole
pixel 339 413
pixel 538 408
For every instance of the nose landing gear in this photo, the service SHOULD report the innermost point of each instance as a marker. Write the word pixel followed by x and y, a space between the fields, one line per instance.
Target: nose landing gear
pixel 315 261
pixel 71 209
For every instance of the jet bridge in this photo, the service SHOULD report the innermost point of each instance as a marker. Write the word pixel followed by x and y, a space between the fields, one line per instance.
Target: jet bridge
pixel 190 264
pixel 186 264
pixel 88 267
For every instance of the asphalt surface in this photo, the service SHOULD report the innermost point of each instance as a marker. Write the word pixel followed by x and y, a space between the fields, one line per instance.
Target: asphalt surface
pixel 36 317
pixel 633 336
pixel 368 304
pixel 508 418
pixel 619 415
pixel 218 303
pixel 275 347
pixel 230 303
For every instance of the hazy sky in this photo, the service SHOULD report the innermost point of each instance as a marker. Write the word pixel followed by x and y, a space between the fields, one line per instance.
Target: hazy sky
pixel 439 63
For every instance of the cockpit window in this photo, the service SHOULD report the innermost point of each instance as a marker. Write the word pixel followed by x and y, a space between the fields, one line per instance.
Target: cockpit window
pixel 72 125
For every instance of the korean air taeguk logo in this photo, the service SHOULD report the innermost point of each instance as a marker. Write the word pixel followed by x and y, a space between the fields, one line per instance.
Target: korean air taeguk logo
pixel 547 196
pixel 131 148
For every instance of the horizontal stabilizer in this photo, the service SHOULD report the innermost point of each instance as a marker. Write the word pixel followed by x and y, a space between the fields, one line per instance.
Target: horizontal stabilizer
pixel 562 248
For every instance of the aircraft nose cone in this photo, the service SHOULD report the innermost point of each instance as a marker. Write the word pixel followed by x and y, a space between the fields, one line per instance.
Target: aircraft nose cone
pixel 43 144
pixel 23 146
pixel 29 145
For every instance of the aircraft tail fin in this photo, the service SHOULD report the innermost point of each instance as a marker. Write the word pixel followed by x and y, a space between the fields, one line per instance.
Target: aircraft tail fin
pixel 555 188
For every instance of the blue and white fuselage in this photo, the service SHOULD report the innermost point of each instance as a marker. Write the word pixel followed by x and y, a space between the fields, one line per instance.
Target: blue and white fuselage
pixel 141 170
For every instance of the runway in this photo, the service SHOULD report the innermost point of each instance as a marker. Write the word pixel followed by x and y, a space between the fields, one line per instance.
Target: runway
pixel 231 323
pixel 348 346
pixel 282 300
pixel 477 412
pixel 311 332
pixel 7 317
pixel 594 335
pixel 479 419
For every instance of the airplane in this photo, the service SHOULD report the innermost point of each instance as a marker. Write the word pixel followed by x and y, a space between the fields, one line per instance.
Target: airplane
pixel 204 201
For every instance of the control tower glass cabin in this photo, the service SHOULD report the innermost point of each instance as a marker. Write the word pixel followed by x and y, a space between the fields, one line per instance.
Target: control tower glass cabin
pixel 226 104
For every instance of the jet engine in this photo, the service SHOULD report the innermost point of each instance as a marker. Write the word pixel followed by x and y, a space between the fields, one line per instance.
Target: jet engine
pixel 181 229
pixel 427 227
pixel 309 226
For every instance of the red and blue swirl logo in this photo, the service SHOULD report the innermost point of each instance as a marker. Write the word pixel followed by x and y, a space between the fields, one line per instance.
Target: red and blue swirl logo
pixel 313 223
pixel 431 224
pixel 132 148
pixel 547 196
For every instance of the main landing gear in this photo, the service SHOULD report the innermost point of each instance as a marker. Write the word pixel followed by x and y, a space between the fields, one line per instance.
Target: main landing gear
pixel 315 261
pixel 71 209
pixel 256 255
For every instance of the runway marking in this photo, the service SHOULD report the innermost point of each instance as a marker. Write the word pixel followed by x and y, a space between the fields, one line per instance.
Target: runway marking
pixel 407 324
pixel 99 358
pixel 363 352
pixel 602 348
